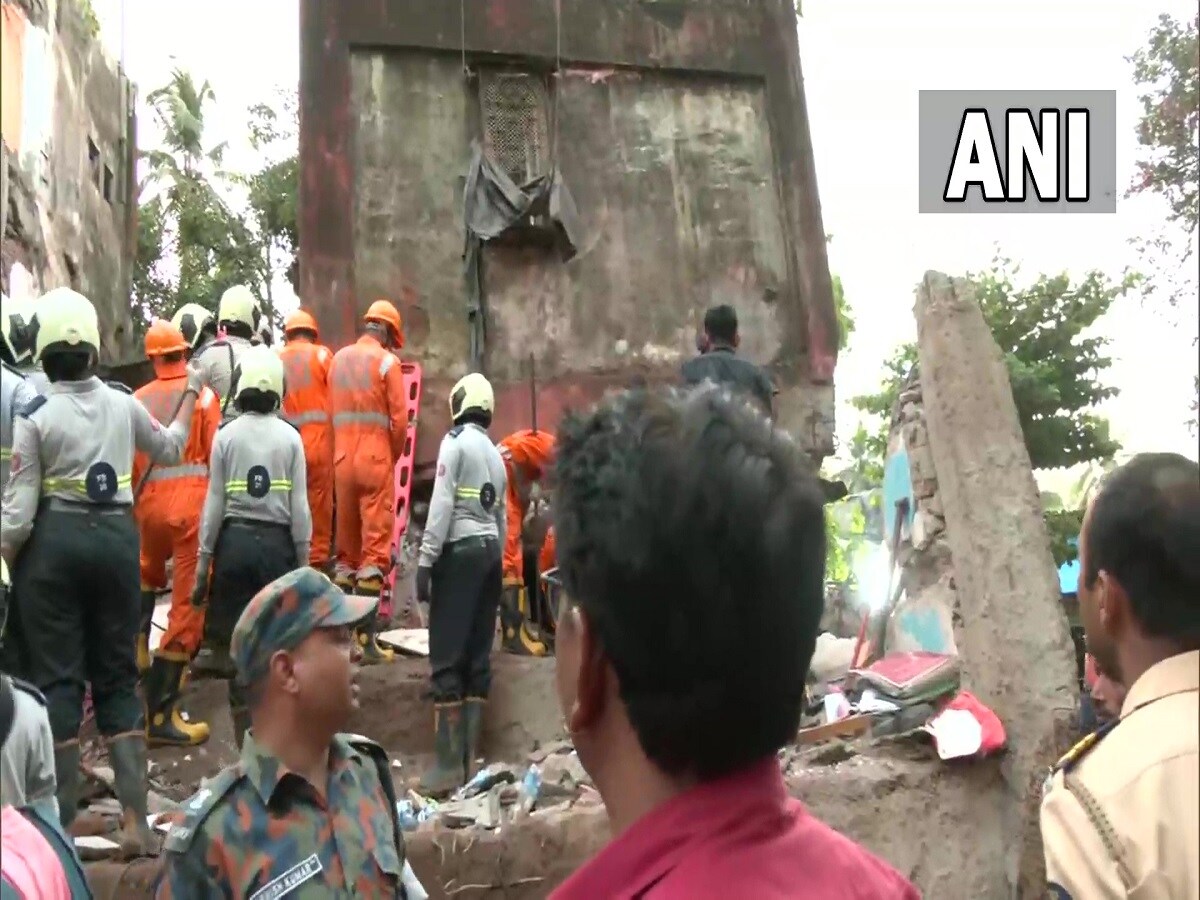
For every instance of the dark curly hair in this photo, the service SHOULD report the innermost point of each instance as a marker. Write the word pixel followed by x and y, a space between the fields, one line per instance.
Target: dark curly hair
pixel 692 535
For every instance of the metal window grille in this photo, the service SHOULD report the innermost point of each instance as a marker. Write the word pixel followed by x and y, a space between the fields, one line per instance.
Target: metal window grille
pixel 516 130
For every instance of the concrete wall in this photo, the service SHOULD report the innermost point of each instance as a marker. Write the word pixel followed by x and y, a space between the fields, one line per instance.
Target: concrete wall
pixel 683 139
pixel 70 215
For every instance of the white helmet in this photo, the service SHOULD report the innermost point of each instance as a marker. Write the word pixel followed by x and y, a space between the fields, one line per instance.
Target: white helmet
pixel 238 304
pixel 260 369
pixel 192 319
pixel 471 392
pixel 17 328
pixel 66 317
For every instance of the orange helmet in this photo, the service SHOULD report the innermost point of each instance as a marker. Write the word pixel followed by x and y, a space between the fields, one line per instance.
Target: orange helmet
pixel 383 312
pixel 300 320
pixel 162 338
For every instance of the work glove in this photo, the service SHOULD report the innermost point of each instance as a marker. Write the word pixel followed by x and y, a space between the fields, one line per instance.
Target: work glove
pixel 195 381
pixel 200 591
pixel 424 584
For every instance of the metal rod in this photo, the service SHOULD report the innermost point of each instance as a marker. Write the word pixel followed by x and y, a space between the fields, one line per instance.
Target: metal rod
pixel 533 391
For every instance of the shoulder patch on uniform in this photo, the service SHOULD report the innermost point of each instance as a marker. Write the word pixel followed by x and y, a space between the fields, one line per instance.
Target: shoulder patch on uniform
pixel 456 430
pixel 28 689
pixel 33 405
pixel 122 388
pixel 198 807
pixel 1085 746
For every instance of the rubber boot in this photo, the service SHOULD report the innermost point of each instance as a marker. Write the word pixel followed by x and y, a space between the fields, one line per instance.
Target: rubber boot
pixel 145 624
pixel 213 662
pixel 472 735
pixel 127 755
pixel 516 638
pixel 166 724
pixel 69 781
pixel 447 774
pixel 365 631
pixel 344 580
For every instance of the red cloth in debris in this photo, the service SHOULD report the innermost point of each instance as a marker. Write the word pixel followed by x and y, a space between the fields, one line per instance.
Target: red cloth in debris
pixel 740 836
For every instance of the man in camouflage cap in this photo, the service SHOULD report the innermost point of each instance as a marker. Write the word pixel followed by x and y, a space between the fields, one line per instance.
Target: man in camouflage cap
pixel 261 828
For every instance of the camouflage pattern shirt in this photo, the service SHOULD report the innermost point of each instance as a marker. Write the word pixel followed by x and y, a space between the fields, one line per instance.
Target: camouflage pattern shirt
pixel 261 832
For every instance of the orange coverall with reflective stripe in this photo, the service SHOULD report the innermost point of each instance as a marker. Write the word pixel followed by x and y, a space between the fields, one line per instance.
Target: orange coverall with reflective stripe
pixel 526 455
pixel 306 405
pixel 168 509
pixel 370 426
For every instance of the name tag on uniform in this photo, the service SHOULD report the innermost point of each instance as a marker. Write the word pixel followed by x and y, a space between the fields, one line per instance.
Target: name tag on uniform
pixel 289 880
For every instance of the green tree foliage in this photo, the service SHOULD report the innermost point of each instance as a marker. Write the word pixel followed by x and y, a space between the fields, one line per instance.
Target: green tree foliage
pixel 1167 71
pixel 1054 368
pixel 192 245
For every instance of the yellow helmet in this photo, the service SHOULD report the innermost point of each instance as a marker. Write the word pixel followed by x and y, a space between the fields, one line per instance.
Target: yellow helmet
pixel 471 392
pixel 192 319
pixel 16 328
pixel 66 317
pixel 260 369
pixel 238 304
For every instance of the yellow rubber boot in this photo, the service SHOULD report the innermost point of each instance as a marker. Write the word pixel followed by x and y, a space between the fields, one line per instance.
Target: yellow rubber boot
pixel 166 724
pixel 365 632
pixel 516 636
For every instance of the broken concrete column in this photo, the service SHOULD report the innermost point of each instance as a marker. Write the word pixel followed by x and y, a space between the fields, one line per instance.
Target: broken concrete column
pixel 1014 642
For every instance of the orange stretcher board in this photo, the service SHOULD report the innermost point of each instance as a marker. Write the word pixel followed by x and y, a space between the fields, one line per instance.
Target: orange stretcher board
pixel 404 480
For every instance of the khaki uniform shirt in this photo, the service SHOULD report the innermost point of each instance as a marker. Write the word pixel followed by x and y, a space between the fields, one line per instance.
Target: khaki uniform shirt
pixel 1121 812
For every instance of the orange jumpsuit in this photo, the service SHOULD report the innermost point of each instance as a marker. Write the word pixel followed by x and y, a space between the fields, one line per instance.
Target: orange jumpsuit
pixel 306 405
pixel 526 455
pixel 370 426
pixel 548 557
pixel 168 509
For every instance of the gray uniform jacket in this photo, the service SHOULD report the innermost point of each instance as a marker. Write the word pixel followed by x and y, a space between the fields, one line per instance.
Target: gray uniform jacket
pixel 216 362
pixel 468 492
pixel 15 392
pixel 27 759
pixel 257 471
pixel 76 443
pixel 36 377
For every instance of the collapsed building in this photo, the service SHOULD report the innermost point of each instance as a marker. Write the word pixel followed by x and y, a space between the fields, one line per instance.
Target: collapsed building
pixel 68 206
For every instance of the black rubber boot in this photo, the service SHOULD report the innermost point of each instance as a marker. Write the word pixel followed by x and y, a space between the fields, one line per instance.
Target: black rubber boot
pixel 447 774
pixel 69 781
pixel 127 755
pixel 166 725
pixel 365 631
pixel 472 734
pixel 145 624
pixel 516 637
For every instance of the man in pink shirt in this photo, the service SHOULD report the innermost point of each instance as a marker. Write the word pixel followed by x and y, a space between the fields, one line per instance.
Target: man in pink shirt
pixel 691 543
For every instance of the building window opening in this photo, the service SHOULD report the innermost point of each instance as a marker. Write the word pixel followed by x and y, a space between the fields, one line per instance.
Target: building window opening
pixel 516 131
pixel 94 161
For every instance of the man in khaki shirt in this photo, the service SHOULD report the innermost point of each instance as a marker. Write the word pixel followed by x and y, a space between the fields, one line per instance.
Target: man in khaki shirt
pixel 1121 812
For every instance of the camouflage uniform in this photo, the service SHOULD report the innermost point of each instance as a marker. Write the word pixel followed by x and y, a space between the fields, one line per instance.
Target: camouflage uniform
pixel 260 831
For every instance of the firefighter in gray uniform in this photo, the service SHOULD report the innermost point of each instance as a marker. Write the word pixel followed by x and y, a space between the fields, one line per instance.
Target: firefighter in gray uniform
pixel 459 576
pixel 240 317
pixel 256 523
pixel 71 542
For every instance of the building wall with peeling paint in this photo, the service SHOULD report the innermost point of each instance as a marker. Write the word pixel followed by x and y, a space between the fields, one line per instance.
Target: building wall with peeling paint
pixel 681 140
pixel 69 148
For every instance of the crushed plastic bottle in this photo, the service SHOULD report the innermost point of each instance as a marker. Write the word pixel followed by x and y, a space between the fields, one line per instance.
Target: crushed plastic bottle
pixel 531 786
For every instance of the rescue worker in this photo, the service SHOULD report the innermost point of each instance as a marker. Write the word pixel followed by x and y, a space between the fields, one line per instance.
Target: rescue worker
pixel 306 365
pixel 1120 813
pixel 239 318
pixel 309 811
pixel 370 427
pixel 459 576
pixel 76 572
pixel 199 326
pixel 18 330
pixel 527 455
pixel 256 523
pixel 168 513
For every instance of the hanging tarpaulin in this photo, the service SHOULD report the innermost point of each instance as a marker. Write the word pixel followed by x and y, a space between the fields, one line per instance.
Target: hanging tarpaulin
pixel 492 204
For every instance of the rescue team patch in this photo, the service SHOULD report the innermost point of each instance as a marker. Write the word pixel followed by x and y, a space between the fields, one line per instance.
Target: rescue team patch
pixel 100 482
pixel 487 495
pixel 258 482
pixel 289 880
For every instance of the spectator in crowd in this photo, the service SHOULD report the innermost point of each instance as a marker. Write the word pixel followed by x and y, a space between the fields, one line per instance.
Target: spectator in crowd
pixel 718 361
pixel 27 759
pixel 1121 812
pixel 691 541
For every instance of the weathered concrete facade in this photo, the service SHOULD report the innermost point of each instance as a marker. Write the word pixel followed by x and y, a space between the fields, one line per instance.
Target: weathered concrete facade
pixel 683 139
pixel 69 151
